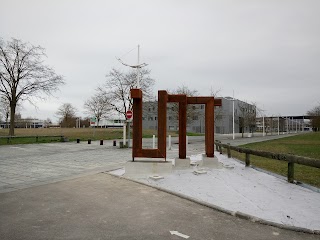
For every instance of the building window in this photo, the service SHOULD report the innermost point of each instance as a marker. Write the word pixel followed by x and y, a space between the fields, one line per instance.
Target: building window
pixel 150 118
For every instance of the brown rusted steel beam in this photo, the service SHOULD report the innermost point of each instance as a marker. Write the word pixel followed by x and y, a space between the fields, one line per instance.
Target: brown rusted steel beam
pixel 176 97
pixel 209 126
pixel 198 100
pixel 182 100
pixel 136 94
pixel 218 102
pixel 150 153
pixel 183 127
pixel 162 122
pixel 203 100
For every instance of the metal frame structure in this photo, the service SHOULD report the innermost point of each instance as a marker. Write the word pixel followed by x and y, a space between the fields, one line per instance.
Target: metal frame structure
pixel 163 99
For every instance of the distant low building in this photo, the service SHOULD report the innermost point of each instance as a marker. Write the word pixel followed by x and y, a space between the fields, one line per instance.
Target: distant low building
pixel 107 123
pixel 25 123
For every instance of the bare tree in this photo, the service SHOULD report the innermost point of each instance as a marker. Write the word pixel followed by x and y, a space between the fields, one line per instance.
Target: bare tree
pixel 118 87
pixel 23 74
pixel 98 105
pixel 4 109
pixel 67 115
pixel 193 111
pixel 247 116
pixel 314 113
pixel 217 109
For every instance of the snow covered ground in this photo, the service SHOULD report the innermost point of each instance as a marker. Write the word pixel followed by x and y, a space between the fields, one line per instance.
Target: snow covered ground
pixel 237 188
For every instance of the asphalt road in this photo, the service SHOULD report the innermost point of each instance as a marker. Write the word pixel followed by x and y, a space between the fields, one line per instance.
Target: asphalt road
pixel 101 206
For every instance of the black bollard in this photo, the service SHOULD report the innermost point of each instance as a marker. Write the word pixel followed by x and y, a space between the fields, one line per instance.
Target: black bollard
pixel 101 142
pixel 114 143
pixel 78 140
pixel 89 141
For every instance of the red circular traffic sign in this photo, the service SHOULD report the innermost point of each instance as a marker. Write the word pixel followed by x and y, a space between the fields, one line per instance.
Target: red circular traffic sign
pixel 129 114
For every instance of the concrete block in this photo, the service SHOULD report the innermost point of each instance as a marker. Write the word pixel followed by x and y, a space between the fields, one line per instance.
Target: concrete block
pixel 211 162
pixel 147 168
pixel 181 163
pixel 199 172
pixel 156 177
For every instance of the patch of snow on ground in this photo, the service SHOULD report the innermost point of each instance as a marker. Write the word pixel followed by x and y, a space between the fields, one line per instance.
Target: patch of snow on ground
pixel 246 190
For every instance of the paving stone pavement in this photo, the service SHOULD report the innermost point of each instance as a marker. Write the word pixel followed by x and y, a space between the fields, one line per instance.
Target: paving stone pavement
pixel 27 165
pixel 23 166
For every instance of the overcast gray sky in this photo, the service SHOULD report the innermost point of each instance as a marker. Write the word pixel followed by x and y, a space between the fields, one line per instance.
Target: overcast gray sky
pixel 268 52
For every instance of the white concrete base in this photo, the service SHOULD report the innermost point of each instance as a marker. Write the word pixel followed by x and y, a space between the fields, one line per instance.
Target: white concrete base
pixel 199 172
pixel 147 168
pixel 181 163
pixel 211 162
pixel 156 177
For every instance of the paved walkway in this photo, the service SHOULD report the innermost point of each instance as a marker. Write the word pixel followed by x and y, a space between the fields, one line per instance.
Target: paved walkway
pixel 101 206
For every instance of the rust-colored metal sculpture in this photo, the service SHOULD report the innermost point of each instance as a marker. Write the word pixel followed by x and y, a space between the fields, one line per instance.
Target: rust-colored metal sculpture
pixel 163 99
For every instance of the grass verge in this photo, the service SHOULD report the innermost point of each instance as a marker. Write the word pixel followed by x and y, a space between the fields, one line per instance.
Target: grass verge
pixel 307 145
pixel 71 133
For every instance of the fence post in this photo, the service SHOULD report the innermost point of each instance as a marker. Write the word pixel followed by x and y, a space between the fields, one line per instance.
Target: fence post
pixel 247 160
pixel 290 172
pixel 36 138
pixel 220 147
pixel 229 150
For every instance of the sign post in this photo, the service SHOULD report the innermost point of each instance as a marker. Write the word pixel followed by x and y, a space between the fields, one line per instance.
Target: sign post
pixel 129 119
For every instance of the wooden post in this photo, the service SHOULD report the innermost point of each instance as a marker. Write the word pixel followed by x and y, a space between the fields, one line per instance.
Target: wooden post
pixel 247 160
pixel 290 172
pixel 229 150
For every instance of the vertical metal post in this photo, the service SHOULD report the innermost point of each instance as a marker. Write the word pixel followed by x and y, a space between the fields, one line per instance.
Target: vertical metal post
pixel 183 128
pixel 153 141
pixel 138 68
pixel 233 134
pixel 162 122
pixel 263 132
pixel 124 133
pixel 209 125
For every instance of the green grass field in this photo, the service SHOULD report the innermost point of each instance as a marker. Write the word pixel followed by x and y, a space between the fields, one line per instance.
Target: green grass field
pixel 307 145
pixel 71 133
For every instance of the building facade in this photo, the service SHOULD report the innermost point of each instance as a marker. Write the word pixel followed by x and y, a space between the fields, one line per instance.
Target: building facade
pixel 244 115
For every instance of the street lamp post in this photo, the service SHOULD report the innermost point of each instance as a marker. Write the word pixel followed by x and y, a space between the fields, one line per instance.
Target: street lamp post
pixel 233 135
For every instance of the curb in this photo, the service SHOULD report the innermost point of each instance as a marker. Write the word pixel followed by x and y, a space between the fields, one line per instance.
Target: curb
pixel 220 209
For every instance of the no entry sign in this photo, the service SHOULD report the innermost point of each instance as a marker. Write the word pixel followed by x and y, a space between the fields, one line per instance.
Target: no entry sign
pixel 129 114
